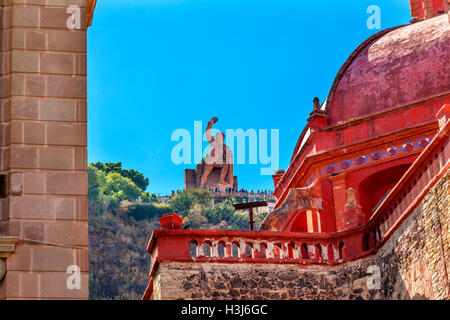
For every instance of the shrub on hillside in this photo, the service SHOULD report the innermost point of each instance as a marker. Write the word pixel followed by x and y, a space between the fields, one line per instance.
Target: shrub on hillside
pixel 143 211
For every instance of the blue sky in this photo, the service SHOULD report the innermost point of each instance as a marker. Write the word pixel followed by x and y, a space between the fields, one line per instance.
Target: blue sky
pixel 158 65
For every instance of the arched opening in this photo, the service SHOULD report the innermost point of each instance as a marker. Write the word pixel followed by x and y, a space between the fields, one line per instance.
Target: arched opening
pixel 341 250
pixel 248 250
pixel 300 223
pixel 373 189
pixel 277 254
pixel 330 252
pixel 263 250
pixel 304 251
pixel 193 245
pixel 375 237
pixel 318 251
pixel 207 249
pixel 291 250
pixel 366 241
pixel 221 249
pixel 235 250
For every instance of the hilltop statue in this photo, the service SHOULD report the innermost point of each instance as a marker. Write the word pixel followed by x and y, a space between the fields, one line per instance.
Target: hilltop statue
pixel 216 169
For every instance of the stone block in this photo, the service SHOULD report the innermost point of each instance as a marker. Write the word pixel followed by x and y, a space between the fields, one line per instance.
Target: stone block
pixel 80 64
pixel 80 158
pixel 12 284
pixel 81 111
pixel 81 209
pixel 23 157
pixel 29 285
pixel 16 183
pixel 56 158
pixel 60 63
pixel 24 61
pixel 21 259
pixel 36 39
pixel 16 132
pixel 67 40
pixel 33 230
pixel 57 110
pixel 66 3
pixel 82 259
pixel 25 108
pixel 67 183
pixel 67 233
pixel 54 285
pixel 5 65
pixel 65 208
pixel 25 16
pixel 54 17
pixel 4 134
pixel 35 85
pixel 18 39
pixel 34 182
pixel 16 85
pixel 52 258
pixel 34 132
pixel 67 134
pixel 66 87
pixel 31 207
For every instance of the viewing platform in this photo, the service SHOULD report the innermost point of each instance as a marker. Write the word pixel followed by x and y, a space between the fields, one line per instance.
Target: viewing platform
pixel 171 243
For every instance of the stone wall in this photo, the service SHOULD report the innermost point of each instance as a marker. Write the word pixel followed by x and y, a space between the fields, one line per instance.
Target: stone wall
pixel 413 264
pixel 43 155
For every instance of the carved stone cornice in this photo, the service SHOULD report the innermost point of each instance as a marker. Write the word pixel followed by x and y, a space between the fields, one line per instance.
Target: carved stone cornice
pixel 7 246
pixel 297 199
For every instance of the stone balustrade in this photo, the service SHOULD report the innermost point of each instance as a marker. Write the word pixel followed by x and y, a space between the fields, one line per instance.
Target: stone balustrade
pixel 260 250
pixel 311 248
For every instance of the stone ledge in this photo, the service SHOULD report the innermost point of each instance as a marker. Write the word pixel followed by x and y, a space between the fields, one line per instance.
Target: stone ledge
pixel 7 246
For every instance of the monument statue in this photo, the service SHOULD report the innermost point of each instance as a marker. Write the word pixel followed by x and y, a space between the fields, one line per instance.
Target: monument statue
pixel 215 171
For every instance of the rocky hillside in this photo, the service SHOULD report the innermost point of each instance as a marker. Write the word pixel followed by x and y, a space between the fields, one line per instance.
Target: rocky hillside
pixel 118 262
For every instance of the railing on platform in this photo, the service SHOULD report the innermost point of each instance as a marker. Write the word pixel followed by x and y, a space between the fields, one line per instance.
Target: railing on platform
pixel 257 250
pixel 316 248
pixel 244 195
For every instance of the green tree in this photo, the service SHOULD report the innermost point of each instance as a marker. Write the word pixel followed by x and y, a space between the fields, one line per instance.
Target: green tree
pixel 185 200
pixel 196 219
pixel 225 216
pixel 96 190
pixel 122 187
pixel 136 176
pixel 108 190
pixel 201 196
pixel 182 203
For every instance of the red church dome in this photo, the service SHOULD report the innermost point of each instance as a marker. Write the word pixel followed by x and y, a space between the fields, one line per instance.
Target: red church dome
pixel 394 68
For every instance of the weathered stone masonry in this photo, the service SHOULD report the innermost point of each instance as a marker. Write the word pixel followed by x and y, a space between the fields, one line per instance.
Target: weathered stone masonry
pixel 413 265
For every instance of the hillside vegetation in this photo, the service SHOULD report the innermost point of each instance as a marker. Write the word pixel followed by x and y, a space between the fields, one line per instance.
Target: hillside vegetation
pixel 119 227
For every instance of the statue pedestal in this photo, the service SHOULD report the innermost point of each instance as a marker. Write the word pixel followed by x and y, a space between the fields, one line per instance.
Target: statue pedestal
pixel 192 180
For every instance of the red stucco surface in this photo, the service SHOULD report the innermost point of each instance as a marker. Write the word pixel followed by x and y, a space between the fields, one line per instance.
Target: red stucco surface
pixel 403 66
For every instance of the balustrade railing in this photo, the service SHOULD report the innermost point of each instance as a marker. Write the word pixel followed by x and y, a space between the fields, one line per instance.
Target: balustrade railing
pixel 244 195
pixel 259 249
pixel 317 248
